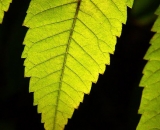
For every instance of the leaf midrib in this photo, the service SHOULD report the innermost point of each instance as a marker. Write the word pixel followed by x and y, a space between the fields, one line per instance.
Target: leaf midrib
pixel 65 58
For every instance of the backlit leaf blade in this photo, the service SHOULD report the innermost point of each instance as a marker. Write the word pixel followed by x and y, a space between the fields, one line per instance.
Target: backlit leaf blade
pixel 129 3
pixel 66 47
pixel 150 102
pixel 4 5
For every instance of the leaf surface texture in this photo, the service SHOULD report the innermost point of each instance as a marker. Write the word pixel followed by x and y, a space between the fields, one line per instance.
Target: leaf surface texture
pixel 4 5
pixel 150 102
pixel 66 47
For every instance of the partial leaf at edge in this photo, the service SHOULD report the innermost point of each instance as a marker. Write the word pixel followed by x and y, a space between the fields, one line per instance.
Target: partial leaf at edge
pixel 150 102
pixel 4 5
pixel 66 47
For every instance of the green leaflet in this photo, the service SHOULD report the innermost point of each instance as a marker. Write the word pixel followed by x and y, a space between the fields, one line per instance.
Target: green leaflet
pixel 4 5
pixel 66 47
pixel 150 102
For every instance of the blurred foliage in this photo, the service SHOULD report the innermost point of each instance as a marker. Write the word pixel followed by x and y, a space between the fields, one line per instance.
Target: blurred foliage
pixel 143 10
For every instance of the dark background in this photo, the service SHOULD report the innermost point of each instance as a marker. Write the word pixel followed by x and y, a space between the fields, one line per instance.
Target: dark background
pixel 113 102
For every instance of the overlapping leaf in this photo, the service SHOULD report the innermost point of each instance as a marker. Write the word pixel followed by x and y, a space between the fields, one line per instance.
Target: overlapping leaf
pixel 66 47
pixel 4 5
pixel 150 102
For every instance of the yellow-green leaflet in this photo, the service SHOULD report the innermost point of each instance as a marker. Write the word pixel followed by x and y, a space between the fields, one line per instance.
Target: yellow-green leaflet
pixel 4 5
pixel 66 47
pixel 150 102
